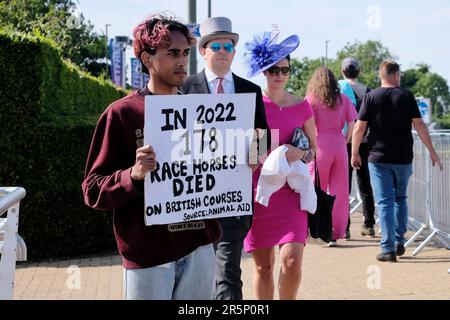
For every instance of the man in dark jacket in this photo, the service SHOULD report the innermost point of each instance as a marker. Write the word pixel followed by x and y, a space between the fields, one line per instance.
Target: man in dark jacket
pixel 217 47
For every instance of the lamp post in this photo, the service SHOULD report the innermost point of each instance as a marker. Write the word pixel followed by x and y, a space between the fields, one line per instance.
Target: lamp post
pixel 326 52
pixel 193 21
pixel 106 47
pixel 209 8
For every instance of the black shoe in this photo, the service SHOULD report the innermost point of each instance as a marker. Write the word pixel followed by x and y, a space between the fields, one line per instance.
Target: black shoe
pixel 368 231
pixel 390 256
pixel 348 236
pixel 400 250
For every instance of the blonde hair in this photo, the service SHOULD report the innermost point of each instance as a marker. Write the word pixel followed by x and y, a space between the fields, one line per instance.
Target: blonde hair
pixel 324 88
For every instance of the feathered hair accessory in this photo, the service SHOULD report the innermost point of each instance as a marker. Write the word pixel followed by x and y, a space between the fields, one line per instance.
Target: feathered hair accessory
pixel 263 51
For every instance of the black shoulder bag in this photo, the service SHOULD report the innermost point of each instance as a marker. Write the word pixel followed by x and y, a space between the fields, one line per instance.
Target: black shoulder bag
pixel 320 223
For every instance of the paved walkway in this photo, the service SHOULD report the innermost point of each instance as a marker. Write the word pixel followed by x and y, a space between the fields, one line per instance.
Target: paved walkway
pixel 349 271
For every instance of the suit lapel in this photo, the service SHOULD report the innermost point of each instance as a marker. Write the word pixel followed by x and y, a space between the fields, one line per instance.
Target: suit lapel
pixel 200 85
pixel 237 84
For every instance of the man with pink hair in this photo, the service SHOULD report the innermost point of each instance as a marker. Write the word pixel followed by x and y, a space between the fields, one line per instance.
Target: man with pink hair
pixel 159 261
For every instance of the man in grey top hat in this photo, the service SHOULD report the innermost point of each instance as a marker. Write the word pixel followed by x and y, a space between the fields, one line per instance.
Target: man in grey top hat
pixel 217 47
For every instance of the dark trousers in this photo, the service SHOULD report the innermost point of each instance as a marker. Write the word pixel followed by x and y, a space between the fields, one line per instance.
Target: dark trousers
pixel 228 283
pixel 363 180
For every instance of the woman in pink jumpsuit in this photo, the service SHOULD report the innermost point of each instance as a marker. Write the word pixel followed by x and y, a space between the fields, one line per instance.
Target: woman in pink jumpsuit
pixel 331 111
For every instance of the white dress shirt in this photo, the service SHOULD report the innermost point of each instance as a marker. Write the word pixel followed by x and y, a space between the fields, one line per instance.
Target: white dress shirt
pixel 227 83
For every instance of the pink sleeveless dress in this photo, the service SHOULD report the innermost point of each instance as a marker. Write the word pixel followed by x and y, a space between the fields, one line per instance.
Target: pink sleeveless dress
pixel 282 221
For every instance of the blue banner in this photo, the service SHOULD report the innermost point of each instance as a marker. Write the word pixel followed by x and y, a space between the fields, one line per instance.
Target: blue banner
pixel 117 68
pixel 145 79
pixel 136 77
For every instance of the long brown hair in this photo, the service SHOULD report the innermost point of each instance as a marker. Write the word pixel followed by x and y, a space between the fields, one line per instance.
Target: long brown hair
pixel 324 88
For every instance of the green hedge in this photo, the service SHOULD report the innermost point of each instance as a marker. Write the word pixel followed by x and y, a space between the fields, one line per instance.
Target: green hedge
pixel 48 112
pixel 444 121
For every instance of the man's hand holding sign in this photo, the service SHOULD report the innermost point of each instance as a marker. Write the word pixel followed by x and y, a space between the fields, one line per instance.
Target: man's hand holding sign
pixel 145 162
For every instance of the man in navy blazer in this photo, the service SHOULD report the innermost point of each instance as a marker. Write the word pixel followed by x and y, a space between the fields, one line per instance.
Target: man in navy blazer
pixel 217 47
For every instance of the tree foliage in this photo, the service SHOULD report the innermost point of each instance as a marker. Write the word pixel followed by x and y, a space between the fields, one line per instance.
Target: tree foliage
pixel 59 21
pixel 302 71
pixel 424 83
pixel 369 54
pixel 421 81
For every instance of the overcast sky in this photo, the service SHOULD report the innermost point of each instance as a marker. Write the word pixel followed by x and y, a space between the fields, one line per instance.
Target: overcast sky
pixel 413 30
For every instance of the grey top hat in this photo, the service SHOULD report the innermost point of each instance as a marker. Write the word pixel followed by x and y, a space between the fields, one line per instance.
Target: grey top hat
pixel 216 28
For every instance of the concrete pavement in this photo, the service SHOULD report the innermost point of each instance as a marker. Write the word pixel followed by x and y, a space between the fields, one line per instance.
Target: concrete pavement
pixel 349 271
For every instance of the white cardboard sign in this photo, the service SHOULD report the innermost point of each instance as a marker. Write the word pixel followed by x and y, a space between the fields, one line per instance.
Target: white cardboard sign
pixel 201 144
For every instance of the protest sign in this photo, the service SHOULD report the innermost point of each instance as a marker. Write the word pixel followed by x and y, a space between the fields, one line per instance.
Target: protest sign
pixel 201 144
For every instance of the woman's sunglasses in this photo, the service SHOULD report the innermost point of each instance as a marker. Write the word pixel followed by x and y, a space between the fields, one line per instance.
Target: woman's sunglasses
pixel 228 47
pixel 276 70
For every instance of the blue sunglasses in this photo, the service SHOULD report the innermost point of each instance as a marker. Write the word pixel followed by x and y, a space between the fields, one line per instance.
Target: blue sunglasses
pixel 228 47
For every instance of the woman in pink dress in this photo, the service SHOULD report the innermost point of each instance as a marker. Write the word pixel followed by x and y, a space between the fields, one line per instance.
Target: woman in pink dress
pixel 331 111
pixel 282 223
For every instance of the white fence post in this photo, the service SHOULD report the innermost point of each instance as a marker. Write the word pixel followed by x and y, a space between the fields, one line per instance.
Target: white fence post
pixel 9 201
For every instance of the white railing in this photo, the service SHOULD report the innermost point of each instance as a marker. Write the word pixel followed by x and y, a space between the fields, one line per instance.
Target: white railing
pixel 429 193
pixel 10 241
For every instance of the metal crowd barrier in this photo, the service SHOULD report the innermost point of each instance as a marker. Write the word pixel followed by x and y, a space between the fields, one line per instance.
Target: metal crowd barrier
pixel 429 193
pixel 355 200
pixel 10 241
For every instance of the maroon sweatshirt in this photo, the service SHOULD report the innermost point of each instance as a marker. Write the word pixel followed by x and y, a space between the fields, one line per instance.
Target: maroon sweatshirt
pixel 108 186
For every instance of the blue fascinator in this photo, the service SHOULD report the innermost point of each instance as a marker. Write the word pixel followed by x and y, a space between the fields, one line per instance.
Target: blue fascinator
pixel 263 52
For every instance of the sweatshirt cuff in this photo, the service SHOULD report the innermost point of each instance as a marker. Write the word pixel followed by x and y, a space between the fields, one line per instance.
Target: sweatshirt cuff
pixel 129 184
